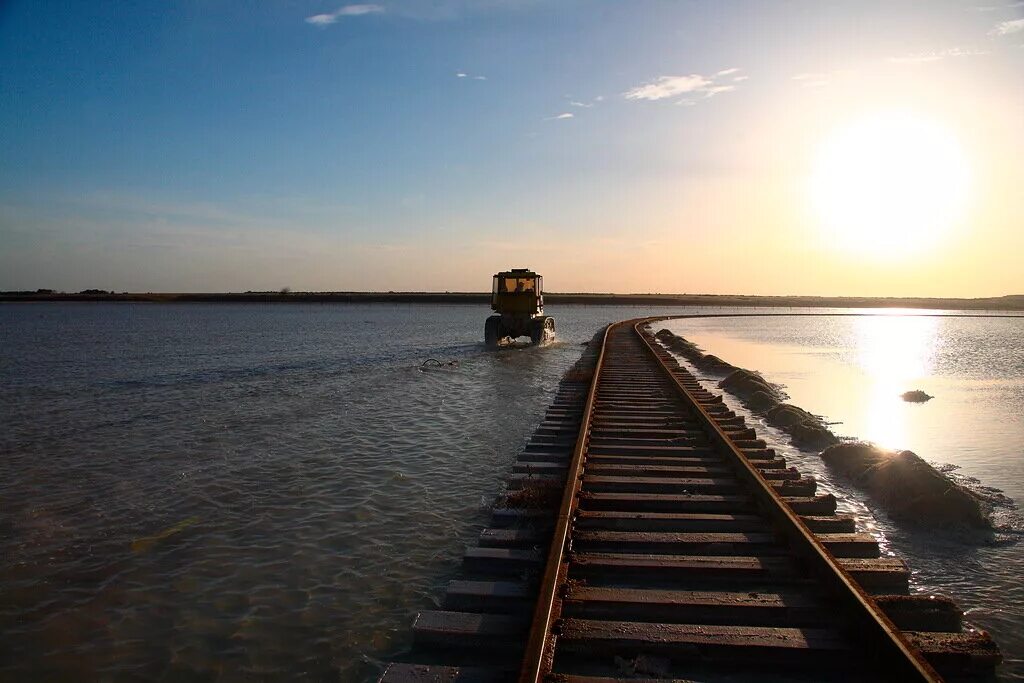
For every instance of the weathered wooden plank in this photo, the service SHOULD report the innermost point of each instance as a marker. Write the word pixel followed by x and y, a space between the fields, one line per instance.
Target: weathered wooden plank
pixel 821 504
pixel 694 457
pixel 879 575
pixel 958 654
pixel 540 467
pixel 750 444
pixel 611 449
pixel 632 443
pixel 665 502
pixel 678 543
pixel 518 481
pixel 668 521
pixel 804 486
pixel 513 538
pixel 922 612
pixel 740 433
pixel 848 545
pixel 501 560
pixel 469 629
pixel 830 523
pixel 861 545
pixel 518 517
pixel 628 566
pixel 696 607
pixel 762 453
pixel 596 483
pixel 627 470
pixel 488 596
pixel 688 641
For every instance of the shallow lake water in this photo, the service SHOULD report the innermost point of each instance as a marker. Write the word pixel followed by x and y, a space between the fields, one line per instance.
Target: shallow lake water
pixel 258 492
pixel 852 370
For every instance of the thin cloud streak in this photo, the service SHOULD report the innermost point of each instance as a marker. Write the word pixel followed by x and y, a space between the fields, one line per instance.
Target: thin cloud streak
pixel 583 103
pixel 935 56
pixel 813 80
pixel 346 11
pixel 561 117
pixel 1006 28
pixel 678 87
pixel 667 86
pixel 717 89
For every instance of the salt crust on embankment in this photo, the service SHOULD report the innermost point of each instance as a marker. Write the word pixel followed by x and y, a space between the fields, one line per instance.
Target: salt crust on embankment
pixel 904 484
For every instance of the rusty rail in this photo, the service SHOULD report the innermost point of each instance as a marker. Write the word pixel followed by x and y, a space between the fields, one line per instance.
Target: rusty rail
pixel 902 660
pixel 538 646
pixel 905 661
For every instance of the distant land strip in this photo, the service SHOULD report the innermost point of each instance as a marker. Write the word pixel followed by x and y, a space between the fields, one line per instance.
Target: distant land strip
pixel 1002 303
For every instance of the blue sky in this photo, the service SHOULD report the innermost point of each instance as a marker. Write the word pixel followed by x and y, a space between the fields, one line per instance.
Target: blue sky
pixel 225 145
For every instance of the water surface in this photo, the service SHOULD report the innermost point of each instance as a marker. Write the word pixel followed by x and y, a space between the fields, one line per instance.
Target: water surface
pixel 247 492
pixel 265 492
pixel 852 370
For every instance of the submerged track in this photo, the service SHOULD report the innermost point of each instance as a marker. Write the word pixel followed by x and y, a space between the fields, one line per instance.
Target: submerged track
pixel 682 547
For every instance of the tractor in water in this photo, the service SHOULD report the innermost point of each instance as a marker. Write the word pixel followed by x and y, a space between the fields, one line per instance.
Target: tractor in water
pixel 517 300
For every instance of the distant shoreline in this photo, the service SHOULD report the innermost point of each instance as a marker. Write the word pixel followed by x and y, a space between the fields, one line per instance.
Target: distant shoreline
pixel 1003 303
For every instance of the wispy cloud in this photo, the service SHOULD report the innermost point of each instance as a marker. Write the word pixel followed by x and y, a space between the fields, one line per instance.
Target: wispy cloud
pixel 346 11
pixel 668 86
pixel 584 103
pixel 1005 28
pixel 717 89
pixel 463 74
pixel 561 117
pixel 936 55
pixel 684 88
pixel 813 79
pixel 740 79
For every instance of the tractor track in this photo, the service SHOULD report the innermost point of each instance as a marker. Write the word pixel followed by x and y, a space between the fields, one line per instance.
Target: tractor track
pixel 652 534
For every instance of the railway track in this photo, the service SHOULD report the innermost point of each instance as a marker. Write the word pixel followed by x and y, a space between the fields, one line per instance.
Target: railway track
pixel 656 536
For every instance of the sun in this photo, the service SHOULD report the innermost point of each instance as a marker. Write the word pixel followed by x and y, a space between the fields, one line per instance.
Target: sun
pixel 889 185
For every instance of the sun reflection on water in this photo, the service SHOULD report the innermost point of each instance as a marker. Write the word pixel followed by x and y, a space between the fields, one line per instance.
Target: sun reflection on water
pixel 896 352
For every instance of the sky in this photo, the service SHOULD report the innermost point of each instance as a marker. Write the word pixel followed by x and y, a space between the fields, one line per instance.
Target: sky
pixel 868 148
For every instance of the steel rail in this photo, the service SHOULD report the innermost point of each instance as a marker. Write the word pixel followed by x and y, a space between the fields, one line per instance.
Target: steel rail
pixel 893 649
pixel 538 648
pixel 890 646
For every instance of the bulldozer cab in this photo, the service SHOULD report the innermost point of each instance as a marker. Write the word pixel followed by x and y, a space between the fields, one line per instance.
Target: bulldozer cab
pixel 517 291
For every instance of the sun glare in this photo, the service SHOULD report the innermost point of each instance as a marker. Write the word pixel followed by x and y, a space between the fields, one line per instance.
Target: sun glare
pixel 889 185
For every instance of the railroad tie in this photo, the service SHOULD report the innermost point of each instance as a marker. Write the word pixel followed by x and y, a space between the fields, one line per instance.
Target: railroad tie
pixel 649 532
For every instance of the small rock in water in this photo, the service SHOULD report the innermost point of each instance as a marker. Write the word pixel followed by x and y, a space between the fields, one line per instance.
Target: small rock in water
pixel 915 396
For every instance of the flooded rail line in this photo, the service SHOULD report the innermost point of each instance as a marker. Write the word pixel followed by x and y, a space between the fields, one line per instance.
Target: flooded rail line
pixel 652 534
